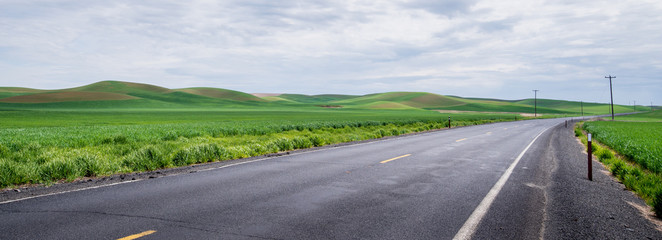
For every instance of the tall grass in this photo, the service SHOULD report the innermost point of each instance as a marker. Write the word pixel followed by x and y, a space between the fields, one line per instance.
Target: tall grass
pixel 640 178
pixel 99 144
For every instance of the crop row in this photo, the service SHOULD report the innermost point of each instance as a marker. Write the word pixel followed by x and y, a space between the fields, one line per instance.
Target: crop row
pixel 637 141
pixel 628 138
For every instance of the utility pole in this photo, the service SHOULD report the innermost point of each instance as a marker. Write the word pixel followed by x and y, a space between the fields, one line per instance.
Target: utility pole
pixel 582 104
pixel 611 94
pixel 634 106
pixel 535 103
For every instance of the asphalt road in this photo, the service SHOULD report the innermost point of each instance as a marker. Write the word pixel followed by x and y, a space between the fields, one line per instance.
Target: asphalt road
pixel 487 182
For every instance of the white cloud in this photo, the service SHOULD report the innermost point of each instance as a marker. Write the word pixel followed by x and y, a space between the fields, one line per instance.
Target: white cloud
pixel 499 49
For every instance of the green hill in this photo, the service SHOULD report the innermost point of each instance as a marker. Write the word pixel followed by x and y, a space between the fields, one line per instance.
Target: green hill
pixel 122 87
pixel 118 94
pixel 420 100
pixel 315 99
pixel 221 94
pixel 66 97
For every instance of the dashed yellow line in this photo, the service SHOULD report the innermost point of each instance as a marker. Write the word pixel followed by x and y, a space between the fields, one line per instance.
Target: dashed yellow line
pixel 460 140
pixel 489 133
pixel 388 160
pixel 139 235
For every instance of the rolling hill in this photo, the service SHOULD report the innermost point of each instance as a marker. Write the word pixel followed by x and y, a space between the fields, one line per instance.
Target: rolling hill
pixel 108 94
pixel 118 94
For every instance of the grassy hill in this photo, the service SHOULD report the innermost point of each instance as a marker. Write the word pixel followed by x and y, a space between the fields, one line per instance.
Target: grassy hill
pixel 221 94
pixel 400 100
pixel 314 99
pixel 122 95
pixel 117 94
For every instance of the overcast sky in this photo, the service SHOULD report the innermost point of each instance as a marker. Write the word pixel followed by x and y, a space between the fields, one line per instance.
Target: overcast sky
pixel 492 49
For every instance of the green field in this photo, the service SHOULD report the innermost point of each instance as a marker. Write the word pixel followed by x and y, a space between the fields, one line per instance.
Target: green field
pixel 655 116
pixel 113 127
pixel 637 139
pixel 39 146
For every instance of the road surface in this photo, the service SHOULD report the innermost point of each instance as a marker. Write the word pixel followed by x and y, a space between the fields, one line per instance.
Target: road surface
pixel 494 181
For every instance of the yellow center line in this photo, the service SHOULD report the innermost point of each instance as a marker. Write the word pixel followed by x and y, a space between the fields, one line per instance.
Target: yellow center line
pixel 385 161
pixel 139 235
pixel 460 140
pixel 489 133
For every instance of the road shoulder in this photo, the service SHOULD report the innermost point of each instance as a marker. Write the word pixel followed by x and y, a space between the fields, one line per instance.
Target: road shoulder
pixel 581 209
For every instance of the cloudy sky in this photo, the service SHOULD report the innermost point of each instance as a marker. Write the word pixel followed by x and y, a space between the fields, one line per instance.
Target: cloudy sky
pixel 471 48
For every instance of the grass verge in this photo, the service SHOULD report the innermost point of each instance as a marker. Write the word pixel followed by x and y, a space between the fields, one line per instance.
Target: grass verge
pixel 41 154
pixel 644 182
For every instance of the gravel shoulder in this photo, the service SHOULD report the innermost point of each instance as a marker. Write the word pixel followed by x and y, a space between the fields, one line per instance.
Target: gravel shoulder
pixel 600 209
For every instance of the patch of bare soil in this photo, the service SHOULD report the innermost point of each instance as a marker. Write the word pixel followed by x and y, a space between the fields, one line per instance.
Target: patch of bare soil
pixel 457 111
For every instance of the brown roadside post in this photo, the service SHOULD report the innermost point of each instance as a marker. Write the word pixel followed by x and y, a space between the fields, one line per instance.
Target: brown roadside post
pixel 590 159
pixel 449 121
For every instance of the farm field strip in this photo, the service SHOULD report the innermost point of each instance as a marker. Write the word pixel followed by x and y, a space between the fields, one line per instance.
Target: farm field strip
pixel 639 166
pixel 48 146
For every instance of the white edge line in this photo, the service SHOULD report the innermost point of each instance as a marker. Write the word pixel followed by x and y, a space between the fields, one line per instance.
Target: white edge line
pixel 472 222
pixel 75 190
pixel 131 181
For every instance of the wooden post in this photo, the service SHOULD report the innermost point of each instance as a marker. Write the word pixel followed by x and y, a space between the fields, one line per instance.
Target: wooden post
pixel 590 159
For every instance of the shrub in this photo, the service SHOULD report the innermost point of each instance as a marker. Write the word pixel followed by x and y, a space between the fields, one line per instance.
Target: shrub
pixel 317 140
pixel 578 132
pixel 11 173
pixel 604 154
pixel 283 144
pixel 87 165
pixel 200 154
pixel 301 143
pixel 146 159
pixel 56 170
pixel 594 147
pixel 618 169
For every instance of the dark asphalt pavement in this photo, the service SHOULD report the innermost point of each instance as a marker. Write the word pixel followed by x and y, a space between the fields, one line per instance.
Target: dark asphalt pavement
pixel 422 186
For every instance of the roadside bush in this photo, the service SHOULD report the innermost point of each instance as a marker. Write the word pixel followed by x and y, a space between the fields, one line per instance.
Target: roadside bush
pixel 209 153
pixel 283 144
pixel 200 154
pixel 317 140
pixel 56 170
pixel 88 166
pixel 618 169
pixel 301 143
pixel 578 132
pixel 604 154
pixel 11 173
pixel 594 147
pixel 146 159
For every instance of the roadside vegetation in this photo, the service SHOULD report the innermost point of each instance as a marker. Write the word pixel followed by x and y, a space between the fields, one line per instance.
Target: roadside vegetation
pixel 114 127
pixel 632 151
pixel 48 146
